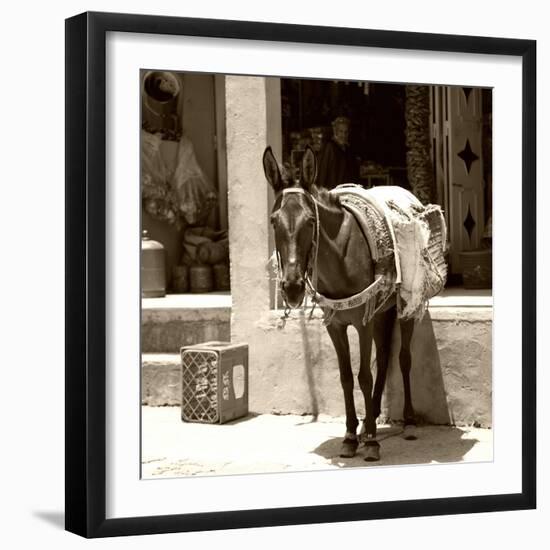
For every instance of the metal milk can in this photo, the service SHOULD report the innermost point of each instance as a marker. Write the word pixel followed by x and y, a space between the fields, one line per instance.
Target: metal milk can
pixel 153 274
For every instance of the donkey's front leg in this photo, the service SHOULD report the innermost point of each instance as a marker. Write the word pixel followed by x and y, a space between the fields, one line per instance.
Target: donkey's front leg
pixel 372 447
pixel 339 337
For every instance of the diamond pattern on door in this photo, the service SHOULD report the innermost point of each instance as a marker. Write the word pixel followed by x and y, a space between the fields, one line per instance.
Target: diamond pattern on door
pixel 469 223
pixel 468 156
pixel 467 92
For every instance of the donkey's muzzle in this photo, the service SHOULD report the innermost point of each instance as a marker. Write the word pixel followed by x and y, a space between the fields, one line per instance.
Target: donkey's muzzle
pixel 294 292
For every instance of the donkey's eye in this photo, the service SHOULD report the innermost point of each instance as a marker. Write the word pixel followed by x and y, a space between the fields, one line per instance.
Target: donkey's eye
pixel 273 218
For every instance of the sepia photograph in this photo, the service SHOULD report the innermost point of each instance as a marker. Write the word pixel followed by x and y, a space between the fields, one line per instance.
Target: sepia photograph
pixel 287 306
pixel 316 274
pixel 277 300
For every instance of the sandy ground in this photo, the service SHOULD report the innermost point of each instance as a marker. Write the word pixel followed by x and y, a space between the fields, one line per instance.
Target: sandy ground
pixel 272 443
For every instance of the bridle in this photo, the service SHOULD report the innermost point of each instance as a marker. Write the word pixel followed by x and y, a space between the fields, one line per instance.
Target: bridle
pixel 366 296
pixel 311 270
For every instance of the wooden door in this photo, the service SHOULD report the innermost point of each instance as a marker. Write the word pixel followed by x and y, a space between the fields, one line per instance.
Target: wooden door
pixel 456 133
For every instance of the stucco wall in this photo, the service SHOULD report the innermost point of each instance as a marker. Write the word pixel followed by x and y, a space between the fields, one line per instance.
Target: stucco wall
pixel 451 369
pixel 293 369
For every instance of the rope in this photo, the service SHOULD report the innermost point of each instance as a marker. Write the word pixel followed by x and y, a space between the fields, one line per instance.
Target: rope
pixel 387 436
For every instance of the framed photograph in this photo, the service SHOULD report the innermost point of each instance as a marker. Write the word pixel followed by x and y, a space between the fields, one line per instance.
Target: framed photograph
pixel 300 274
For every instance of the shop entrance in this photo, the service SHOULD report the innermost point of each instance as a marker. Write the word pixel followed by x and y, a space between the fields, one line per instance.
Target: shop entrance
pixel 376 114
pixel 442 133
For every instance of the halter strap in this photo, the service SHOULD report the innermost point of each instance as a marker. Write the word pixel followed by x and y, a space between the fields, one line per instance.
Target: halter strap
pixel 301 190
pixel 312 264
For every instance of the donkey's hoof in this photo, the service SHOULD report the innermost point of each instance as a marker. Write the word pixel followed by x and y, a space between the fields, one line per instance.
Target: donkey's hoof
pixel 409 432
pixel 348 448
pixel 372 451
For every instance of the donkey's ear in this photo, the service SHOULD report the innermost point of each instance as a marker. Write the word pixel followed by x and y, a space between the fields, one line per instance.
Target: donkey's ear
pixel 309 169
pixel 271 170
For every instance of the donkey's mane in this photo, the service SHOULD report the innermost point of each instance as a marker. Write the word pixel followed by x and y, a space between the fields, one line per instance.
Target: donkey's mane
pixel 325 197
pixel 286 174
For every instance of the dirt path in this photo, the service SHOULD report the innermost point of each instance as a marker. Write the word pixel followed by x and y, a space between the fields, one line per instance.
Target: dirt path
pixel 271 443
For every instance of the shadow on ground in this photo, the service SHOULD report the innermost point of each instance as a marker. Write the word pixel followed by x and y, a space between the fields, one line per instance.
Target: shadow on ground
pixel 57 519
pixel 242 419
pixel 436 444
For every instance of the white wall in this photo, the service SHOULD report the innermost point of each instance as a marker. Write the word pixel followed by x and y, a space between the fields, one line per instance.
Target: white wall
pixel 31 456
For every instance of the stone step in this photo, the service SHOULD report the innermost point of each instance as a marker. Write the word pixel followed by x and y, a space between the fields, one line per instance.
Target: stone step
pixel 169 323
pixel 451 374
pixel 160 379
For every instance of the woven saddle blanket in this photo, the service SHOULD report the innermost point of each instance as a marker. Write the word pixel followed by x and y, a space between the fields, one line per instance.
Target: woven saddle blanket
pixel 407 242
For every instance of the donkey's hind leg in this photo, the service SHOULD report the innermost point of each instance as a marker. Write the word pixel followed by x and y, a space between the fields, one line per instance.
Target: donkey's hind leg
pixel 338 335
pixel 383 332
pixel 405 360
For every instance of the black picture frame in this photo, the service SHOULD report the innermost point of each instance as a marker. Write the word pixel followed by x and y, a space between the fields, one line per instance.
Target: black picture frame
pixel 86 263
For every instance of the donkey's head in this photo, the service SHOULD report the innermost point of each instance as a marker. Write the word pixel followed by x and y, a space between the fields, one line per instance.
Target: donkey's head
pixel 293 220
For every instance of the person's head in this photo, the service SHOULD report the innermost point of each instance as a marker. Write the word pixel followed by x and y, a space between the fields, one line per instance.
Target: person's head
pixel 340 130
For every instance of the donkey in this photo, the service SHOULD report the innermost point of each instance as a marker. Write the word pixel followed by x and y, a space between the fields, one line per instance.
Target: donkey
pixel 320 243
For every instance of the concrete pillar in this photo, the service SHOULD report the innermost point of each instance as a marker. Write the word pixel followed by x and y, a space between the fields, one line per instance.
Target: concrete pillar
pixel 252 119
pixel 275 140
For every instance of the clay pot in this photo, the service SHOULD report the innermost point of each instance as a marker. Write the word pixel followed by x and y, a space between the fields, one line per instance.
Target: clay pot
pixel 180 279
pixel 477 268
pixel 201 278
pixel 221 277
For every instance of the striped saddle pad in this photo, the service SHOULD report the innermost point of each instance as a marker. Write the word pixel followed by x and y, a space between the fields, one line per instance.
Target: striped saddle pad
pixel 407 242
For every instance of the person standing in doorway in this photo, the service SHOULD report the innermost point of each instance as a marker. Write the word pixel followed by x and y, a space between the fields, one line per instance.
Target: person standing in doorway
pixel 337 164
